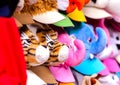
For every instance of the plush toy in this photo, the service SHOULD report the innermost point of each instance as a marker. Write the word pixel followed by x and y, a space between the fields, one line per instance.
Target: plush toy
pixel 35 54
pixel 43 10
pixel 77 4
pixel 21 4
pixel 115 36
pixel 76 47
pixel 58 51
pixel 62 72
pixel 94 45
pixel 100 23
pixel 30 2
pixel 112 49
pixel 42 46
pixel 110 79
pixel 103 8
pixel 109 54
pixel 62 4
pixel 72 8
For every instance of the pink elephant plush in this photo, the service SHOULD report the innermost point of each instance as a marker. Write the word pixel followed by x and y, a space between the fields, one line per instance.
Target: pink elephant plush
pixel 63 72
pixel 76 47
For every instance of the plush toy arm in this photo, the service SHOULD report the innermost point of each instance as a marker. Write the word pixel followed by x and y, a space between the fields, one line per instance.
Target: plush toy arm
pixel 76 54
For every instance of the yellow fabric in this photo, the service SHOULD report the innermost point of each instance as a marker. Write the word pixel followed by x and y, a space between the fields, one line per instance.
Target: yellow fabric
pixel 70 83
pixel 77 15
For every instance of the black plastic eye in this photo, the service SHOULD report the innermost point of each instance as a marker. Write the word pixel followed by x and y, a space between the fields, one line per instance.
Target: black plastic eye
pixel 73 3
pixel 117 38
pixel 113 78
pixel 51 42
pixel 89 40
pixel 94 1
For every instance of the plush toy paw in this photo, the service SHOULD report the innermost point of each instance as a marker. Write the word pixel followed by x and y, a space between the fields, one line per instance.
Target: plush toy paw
pixel 63 53
pixel 42 54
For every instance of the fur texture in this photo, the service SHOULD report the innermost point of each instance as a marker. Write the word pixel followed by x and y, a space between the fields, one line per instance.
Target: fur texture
pixel 40 6
pixel 93 44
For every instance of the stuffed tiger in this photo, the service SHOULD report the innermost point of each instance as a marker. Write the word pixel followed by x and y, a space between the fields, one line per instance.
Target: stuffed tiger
pixel 46 51
pixel 58 51
pixel 35 54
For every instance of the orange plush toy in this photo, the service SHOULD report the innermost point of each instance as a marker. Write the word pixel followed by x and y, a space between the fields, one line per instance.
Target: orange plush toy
pixel 76 3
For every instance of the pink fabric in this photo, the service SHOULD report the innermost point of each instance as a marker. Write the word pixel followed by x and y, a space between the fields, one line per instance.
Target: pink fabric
pixel 112 65
pixel 119 82
pixel 63 72
pixel 105 71
pixel 76 48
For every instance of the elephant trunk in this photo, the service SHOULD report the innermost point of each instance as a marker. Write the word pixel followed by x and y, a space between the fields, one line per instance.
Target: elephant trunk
pixel 100 42
pixel 76 56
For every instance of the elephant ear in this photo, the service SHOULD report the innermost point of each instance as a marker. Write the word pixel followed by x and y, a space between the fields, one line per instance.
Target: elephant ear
pixel 82 32
pixel 101 41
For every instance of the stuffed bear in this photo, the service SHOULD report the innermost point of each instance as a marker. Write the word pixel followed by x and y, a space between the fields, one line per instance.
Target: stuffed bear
pixel 94 44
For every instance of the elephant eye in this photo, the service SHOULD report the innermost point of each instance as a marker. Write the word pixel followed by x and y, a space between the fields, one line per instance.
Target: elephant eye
pixel 117 38
pixel 89 40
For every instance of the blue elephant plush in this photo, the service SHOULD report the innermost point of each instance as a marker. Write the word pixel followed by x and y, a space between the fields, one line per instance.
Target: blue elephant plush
pixel 95 42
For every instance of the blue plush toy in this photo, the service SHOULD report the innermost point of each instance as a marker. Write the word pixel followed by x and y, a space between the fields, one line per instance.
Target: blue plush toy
pixel 94 42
